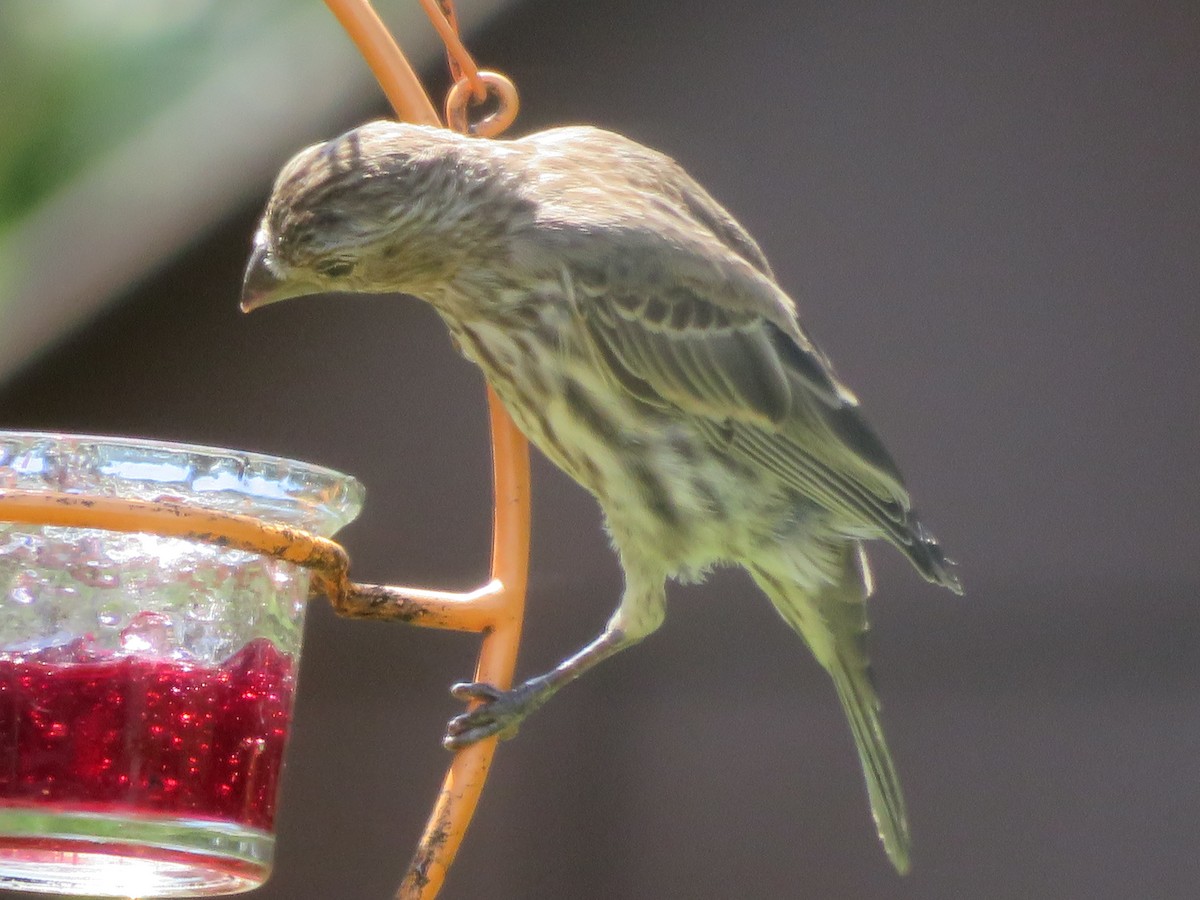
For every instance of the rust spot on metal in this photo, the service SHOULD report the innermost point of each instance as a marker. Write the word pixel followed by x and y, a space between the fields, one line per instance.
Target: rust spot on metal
pixel 428 853
pixel 376 601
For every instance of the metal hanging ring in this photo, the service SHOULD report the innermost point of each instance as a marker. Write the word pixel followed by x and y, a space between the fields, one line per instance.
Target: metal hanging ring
pixel 460 100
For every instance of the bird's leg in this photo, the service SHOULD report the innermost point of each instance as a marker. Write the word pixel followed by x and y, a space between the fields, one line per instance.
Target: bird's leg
pixel 502 712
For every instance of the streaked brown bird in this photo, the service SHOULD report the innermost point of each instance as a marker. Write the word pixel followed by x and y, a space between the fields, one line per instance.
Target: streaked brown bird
pixel 638 337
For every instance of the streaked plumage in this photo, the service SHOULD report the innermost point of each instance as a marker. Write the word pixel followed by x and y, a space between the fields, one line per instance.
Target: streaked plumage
pixel 638 336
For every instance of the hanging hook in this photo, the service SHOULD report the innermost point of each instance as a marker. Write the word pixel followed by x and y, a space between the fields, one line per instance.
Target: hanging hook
pixel 472 86
pixel 460 99
pixel 462 65
pixel 456 69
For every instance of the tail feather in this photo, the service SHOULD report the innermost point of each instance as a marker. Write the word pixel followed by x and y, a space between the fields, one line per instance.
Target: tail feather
pixel 883 784
pixel 928 557
pixel 833 622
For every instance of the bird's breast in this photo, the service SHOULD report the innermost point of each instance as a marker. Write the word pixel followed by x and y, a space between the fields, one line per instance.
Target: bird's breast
pixel 663 487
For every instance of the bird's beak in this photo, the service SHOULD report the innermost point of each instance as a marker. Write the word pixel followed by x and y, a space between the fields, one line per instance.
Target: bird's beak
pixel 264 284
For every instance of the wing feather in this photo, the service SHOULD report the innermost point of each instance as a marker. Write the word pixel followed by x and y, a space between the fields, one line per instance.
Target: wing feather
pixel 699 359
pixel 767 391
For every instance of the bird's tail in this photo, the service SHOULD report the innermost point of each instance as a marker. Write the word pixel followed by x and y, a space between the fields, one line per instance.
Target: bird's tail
pixel 833 623
pixel 883 785
pixel 926 554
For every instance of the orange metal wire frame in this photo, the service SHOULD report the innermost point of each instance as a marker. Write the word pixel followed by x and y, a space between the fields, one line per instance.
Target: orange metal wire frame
pixel 495 609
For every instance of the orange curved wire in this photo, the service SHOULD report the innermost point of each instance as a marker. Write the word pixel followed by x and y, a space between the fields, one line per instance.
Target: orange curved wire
pixel 174 520
pixel 484 609
pixel 501 603
pixel 388 64
pixel 462 64
pixel 464 781
pixel 496 608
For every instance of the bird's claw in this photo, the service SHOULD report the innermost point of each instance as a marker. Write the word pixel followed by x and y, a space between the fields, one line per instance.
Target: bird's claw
pixel 500 713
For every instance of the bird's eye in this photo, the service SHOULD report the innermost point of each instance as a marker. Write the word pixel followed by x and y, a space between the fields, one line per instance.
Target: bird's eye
pixel 336 268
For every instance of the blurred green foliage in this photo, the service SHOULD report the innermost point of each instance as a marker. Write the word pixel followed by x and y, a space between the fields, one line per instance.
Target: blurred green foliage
pixel 77 76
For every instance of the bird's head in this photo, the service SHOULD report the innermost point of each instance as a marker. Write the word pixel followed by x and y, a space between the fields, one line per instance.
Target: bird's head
pixel 387 207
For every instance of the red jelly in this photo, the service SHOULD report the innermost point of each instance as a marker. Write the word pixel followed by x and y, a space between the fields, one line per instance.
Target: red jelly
pixel 97 731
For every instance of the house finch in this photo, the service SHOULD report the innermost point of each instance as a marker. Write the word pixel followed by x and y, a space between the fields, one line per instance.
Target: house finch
pixel 637 336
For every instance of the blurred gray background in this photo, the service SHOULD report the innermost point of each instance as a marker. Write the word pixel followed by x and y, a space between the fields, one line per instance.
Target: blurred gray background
pixel 990 216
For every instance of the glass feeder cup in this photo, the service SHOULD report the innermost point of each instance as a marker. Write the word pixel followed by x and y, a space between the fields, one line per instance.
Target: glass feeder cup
pixel 146 681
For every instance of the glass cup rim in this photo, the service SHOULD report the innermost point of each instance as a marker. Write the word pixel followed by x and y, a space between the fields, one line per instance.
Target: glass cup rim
pixel 211 450
pixel 351 490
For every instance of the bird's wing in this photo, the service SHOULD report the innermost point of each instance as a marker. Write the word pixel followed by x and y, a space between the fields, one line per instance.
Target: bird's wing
pixel 728 350
pixel 673 346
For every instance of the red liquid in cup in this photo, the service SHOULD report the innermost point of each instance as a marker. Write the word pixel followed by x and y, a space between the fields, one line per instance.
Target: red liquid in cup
pixel 86 730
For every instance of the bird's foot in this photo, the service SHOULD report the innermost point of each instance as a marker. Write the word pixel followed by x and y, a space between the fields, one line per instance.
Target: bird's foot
pixel 500 714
